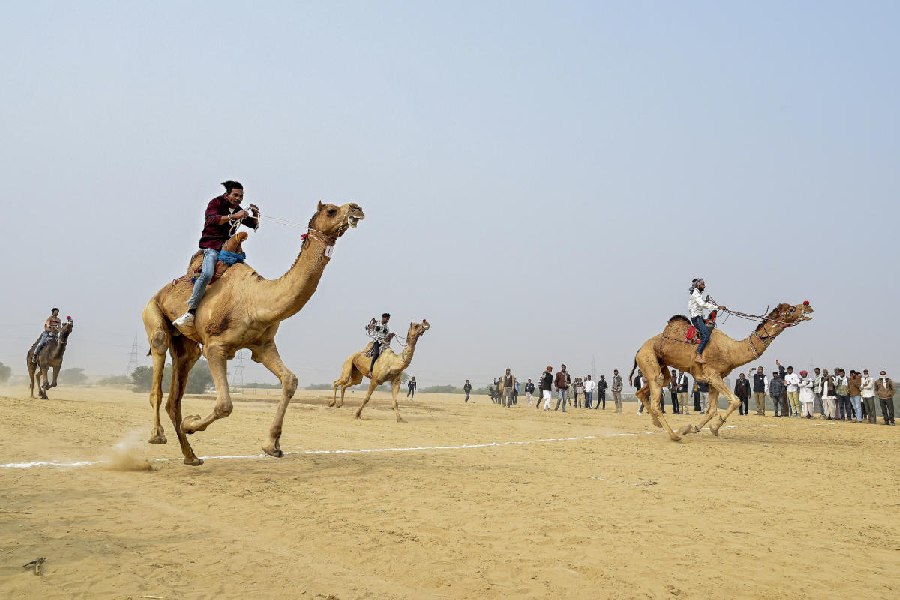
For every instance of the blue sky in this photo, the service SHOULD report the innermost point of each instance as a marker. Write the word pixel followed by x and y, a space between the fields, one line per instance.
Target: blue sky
pixel 541 180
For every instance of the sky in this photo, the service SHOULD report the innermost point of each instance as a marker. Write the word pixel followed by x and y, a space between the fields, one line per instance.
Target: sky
pixel 541 180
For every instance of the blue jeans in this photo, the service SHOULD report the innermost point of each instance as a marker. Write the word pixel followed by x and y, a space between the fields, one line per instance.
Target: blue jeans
pixel 588 399
pixel 704 332
pixel 856 401
pixel 42 341
pixel 210 257
pixel 561 399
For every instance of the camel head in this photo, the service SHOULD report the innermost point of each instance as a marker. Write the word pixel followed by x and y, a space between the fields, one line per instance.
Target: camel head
pixel 333 221
pixel 789 315
pixel 417 330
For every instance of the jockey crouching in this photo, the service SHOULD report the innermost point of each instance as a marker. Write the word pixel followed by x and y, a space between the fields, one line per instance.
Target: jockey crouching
pixel 696 305
pixel 223 217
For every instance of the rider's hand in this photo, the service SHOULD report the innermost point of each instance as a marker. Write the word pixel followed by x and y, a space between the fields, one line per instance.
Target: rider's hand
pixel 243 214
pixel 254 209
pixel 722 307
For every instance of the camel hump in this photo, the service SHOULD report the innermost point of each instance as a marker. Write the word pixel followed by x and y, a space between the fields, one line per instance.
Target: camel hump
pixel 677 327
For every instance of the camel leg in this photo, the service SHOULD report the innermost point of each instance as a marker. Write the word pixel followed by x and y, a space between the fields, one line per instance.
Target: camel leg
pixel 395 388
pixel 269 357
pixel 184 354
pixel 653 375
pixel 342 382
pixel 372 385
pixel 31 375
pixel 215 357
pixel 159 345
pixel 56 369
pixel 718 385
pixel 42 382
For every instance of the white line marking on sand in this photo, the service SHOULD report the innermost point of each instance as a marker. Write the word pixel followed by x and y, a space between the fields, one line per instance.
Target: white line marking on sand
pixel 87 463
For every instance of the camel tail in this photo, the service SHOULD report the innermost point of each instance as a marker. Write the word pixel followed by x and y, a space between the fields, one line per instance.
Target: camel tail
pixel 633 369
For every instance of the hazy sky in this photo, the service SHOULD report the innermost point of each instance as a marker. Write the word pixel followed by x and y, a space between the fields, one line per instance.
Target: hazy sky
pixel 541 180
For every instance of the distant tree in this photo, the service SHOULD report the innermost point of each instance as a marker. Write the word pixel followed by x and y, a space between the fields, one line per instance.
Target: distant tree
pixel 263 386
pixel 72 376
pixel 441 389
pixel 5 373
pixel 404 377
pixel 198 379
pixel 115 380
pixel 320 386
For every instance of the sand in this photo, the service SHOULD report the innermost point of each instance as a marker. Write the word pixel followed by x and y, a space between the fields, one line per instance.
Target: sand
pixel 774 508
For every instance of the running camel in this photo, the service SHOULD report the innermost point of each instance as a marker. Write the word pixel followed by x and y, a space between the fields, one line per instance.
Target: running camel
pixel 50 356
pixel 240 310
pixel 723 355
pixel 388 367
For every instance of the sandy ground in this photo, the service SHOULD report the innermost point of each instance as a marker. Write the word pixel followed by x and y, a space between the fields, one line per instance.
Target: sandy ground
pixel 774 508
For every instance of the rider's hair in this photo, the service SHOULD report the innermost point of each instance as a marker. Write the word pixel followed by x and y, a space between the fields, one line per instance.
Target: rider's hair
pixel 54 308
pixel 232 185
pixel 385 315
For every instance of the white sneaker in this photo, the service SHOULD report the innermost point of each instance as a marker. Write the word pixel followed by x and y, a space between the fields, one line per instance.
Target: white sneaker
pixel 185 320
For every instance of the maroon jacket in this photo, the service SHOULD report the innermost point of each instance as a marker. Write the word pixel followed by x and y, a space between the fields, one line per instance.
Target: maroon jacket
pixel 215 234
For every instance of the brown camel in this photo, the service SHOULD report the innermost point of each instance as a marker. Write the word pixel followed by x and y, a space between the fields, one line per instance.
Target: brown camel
pixel 240 310
pixel 50 356
pixel 388 367
pixel 722 355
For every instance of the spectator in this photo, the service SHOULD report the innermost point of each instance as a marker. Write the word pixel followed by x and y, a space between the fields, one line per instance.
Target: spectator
pixel 696 396
pixel 829 397
pixel 515 397
pixel 637 383
pixel 776 392
pixel 507 385
pixel 842 389
pixel 411 384
pixel 806 395
pixel 742 391
pixel 589 386
pixel 546 384
pixel 817 391
pixel 867 392
pixel 578 388
pixel 529 391
pixel 760 385
pixel 563 379
pixel 467 388
pixel 854 383
pixel 884 389
pixel 683 393
pixel 673 391
pixel 617 390
pixel 792 383
pixel 601 392
pixel 703 388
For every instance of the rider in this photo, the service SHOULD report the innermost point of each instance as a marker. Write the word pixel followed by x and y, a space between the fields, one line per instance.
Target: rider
pixel 380 334
pixel 51 329
pixel 696 305
pixel 223 216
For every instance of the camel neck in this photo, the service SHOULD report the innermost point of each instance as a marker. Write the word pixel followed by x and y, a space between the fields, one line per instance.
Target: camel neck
pixel 285 296
pixel 752 347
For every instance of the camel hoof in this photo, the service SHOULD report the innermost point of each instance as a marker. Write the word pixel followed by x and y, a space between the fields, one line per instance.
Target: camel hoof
pixel 189 424
pixel 359 415
pixel 157 439
pixel 193 462
pixel 276 452
pixel 399 420
pixel 714 427
pixel 675 437
pixel 686 430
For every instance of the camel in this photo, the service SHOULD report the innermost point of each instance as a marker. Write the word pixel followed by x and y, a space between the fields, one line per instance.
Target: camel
pixel 51 356
pixel 240 310
pixel 388 367
pixel 723 355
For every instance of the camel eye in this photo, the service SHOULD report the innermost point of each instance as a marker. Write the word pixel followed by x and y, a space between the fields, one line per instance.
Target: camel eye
pixel 332 212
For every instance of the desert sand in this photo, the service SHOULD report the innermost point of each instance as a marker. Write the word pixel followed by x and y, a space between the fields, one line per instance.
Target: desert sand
pixel 463 501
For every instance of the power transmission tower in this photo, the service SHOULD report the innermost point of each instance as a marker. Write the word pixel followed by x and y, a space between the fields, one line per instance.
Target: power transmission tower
pixel 132 358
pixel 237 375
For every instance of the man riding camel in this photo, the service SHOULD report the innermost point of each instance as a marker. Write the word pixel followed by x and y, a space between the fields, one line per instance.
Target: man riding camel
pixel 223 217
pixel 52 326
pixel 380 335
pixel 696 305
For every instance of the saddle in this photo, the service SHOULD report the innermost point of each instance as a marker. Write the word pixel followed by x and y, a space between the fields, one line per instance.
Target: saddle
pixel 232 247
pixel 693 336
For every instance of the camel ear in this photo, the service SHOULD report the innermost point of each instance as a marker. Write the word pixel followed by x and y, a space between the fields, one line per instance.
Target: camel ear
pixel 321 205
